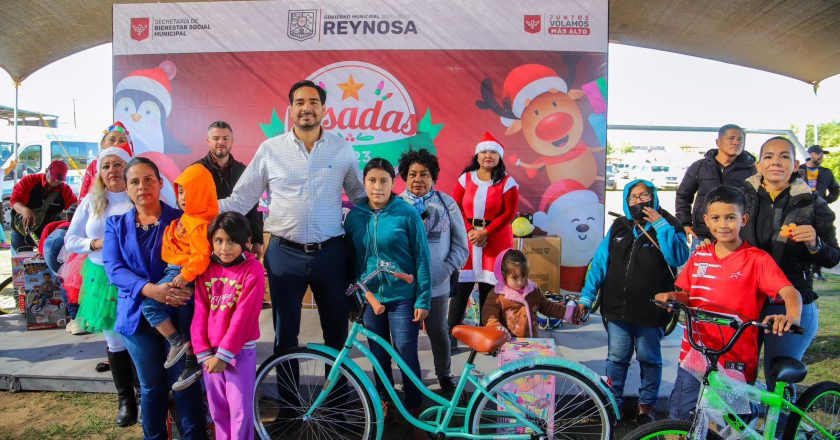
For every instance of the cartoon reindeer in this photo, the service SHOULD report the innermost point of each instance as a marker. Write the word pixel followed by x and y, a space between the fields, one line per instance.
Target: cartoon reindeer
pixel 537 102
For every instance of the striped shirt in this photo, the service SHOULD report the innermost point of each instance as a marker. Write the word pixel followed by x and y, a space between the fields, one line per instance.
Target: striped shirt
pixel 304 187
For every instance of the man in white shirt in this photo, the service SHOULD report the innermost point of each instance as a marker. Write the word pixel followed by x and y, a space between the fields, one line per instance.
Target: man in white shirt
pixel 304 172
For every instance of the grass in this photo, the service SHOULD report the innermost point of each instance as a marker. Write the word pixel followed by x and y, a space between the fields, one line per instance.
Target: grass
pixel 823 356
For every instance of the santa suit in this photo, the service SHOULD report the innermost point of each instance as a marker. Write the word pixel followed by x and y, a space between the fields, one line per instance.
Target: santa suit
pixel 480 200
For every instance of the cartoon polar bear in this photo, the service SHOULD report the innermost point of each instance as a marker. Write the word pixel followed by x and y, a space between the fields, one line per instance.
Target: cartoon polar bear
pixel 575 214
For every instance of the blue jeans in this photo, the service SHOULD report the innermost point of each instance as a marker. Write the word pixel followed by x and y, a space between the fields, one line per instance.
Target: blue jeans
pixel 52 247
pixel 396 325
pixel 622 338
pixel 684 397
pixel 148 351
pixel 158 313
pixel 790 345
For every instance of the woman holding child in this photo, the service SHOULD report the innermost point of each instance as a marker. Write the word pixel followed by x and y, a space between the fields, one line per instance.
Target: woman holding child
pixel 777 196
pixel 132 257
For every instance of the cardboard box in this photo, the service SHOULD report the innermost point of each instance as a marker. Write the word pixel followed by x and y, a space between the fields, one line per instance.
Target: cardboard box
pixel 45 307
pixel 543 255
pixel 18 277
pixel 534 393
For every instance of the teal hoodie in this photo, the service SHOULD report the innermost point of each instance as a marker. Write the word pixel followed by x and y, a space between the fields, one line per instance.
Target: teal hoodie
pixel 393 234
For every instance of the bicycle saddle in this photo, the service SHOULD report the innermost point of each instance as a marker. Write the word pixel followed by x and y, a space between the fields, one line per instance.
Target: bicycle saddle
pixel 480 339
pixel 786 369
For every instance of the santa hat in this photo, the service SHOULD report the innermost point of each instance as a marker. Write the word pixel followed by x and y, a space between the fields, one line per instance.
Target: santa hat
pixel 123 151
pixel 489 143
pixel 568 193
pixel 527 82
pixel 120 127
pixel 154 81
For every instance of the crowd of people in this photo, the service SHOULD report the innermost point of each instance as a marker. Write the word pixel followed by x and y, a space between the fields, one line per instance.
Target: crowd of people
pixel 177 290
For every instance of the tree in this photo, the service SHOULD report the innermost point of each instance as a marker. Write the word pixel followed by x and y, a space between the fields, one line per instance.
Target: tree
pixel 829 134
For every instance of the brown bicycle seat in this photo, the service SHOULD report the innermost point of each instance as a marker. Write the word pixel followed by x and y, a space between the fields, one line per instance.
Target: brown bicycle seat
pixel 481 339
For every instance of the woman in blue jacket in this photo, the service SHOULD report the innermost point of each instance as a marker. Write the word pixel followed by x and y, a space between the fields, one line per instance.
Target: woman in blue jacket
pixel 383 227
pixel 131 256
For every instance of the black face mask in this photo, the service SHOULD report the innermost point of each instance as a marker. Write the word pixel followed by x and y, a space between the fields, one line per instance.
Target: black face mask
pixel 637 210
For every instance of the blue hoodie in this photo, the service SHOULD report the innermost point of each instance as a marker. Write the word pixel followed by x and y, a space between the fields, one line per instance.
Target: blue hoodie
pixel 671 240
pixel 394 234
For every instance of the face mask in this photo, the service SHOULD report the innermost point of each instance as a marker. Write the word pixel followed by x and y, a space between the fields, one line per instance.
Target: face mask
pixel 637 210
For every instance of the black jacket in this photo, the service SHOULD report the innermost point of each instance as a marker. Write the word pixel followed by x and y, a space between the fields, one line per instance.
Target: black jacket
pixel 224 187
pixel 796 204
pixel 636 272
pixel 700 178
pixel 827 186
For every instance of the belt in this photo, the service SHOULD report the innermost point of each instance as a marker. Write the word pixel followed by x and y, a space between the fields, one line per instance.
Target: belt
pixel 478 222
pixel 307 247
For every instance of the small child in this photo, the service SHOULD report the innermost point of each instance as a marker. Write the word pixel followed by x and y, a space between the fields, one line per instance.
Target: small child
pixel 731 277
pixel 187 252
pixel 515 300
pixel 228 300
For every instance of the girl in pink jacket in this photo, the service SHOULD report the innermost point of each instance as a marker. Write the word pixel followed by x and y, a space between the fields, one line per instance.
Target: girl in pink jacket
pixel 225 328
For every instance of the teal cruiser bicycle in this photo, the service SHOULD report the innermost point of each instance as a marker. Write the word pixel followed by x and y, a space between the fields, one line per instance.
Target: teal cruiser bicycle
pixel 316 392
pixel 816 414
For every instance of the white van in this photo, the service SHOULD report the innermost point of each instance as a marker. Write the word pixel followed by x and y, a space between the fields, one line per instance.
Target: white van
pixel 35 155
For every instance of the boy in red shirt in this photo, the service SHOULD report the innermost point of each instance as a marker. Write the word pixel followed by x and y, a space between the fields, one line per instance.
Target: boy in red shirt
pixel 734 277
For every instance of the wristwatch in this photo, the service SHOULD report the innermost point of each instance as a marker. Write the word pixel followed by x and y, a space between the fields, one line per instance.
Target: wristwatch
pixel 816 248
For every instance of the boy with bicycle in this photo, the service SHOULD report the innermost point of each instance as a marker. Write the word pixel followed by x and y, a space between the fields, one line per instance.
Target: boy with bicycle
pixel 730 276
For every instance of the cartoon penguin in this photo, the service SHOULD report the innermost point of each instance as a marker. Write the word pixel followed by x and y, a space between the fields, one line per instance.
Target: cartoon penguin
pixel 143 101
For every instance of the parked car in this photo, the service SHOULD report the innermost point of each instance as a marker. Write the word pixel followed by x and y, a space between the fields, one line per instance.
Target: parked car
pixel 660 175
pixel 610 177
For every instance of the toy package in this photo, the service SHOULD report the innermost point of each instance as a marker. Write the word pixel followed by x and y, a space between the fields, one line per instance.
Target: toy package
pixel 17 278
pixel 45 308
pixel 535 393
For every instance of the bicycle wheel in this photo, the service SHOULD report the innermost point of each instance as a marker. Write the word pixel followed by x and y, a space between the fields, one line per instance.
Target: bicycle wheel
pixel 672 324
pixel 8 300
pixel 821 402
pixel 287 385
pixel 666 429
pixel 579 407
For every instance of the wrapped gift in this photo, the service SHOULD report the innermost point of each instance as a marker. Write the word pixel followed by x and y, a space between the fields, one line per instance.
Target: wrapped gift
pixel 534 393
pixel 45 307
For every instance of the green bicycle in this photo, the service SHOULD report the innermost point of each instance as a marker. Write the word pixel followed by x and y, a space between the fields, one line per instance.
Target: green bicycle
pixel 816 414
pixel 316 392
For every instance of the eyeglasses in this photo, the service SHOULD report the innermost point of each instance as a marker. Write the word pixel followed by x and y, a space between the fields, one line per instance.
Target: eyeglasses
pixel 643 197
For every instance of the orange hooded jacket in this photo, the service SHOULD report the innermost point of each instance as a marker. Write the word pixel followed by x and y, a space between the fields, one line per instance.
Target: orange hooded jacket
pixel 185 241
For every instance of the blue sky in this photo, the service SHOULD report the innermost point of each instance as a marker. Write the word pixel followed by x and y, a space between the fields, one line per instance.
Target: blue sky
pixel 646 87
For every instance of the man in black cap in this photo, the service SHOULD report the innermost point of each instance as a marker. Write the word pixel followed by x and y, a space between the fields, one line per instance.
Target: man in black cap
pixel 822 182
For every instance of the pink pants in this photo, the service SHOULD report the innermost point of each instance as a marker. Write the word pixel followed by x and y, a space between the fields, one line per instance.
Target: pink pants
pixel 230 395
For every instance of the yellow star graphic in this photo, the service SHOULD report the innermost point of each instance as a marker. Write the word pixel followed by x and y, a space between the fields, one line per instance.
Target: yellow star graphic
pixel 350 88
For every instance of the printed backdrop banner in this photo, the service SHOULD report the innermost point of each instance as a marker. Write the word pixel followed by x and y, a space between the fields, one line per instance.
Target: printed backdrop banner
pixel 399 75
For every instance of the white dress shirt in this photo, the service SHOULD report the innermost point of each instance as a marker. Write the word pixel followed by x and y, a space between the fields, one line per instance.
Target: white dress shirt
pixel 304 187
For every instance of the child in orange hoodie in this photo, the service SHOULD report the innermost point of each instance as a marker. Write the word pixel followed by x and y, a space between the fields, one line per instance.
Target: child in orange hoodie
pixel 186 250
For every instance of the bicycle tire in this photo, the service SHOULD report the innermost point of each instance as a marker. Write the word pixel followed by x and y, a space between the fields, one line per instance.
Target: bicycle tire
pixel 666 429
pixel 672 324
pixel 806 403
pixel 279 403
pixel 575 403
pixel 14 307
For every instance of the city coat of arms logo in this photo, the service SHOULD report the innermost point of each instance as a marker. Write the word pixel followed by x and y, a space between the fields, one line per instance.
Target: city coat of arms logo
pixel 139 28
pixel 533 23
pixel 301 24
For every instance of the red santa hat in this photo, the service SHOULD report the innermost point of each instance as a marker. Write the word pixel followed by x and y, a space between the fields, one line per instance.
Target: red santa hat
pixel 568 193
pixel 154 81
pixel 526 82
pixel 489 143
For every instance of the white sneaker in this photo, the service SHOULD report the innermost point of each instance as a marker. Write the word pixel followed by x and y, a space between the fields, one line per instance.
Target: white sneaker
pixel 75 329
pixel 67 327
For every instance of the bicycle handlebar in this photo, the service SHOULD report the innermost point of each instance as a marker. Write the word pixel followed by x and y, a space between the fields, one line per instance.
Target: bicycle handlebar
pixel 695 314
pixel 384 267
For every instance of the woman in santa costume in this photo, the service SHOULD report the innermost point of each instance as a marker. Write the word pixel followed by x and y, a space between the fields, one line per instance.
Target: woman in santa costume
pixel 489 199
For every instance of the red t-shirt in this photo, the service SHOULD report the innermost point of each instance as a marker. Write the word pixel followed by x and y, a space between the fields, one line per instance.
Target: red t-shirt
pixel 740 283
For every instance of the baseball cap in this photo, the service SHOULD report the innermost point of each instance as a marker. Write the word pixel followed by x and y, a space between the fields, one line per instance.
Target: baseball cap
pixel 816 149
pixel 57 170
